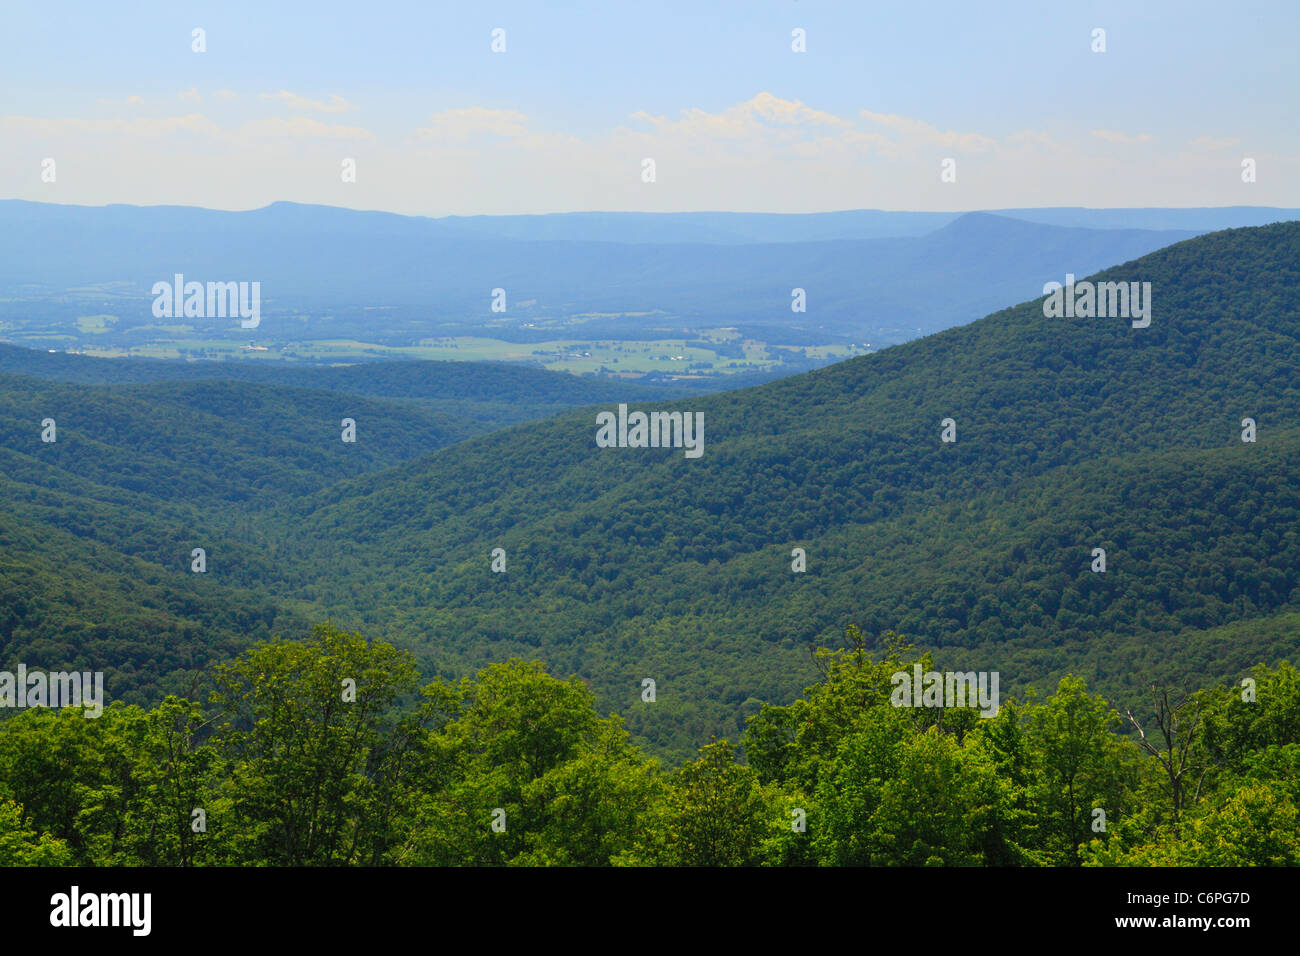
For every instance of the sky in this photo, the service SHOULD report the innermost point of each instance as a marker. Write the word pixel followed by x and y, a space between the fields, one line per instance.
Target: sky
pixel 110 103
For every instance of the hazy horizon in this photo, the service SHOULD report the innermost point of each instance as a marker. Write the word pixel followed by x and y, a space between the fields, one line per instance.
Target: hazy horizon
pixel 656 212
pixel 793 109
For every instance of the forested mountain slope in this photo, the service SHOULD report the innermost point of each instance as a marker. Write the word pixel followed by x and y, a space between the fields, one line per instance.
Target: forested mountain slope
pixel 1072 434
pixel 626 563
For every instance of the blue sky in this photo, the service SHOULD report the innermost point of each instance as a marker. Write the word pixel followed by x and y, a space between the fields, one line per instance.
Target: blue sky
pixel 437 123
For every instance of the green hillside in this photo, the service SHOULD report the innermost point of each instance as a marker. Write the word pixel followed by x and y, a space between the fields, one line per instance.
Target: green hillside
pixel 1072 434
pixel 67 602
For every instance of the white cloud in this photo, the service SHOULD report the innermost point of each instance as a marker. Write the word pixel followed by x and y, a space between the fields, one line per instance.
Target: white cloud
pixel 139 127
pixel 463 125
pixel 1036 138
pixel 916 133
pixel 764 153
pixel 1210 143
pixel 299 127
pixel 1125 139
pixel 770 125
pixel 754 118
pixel 336 104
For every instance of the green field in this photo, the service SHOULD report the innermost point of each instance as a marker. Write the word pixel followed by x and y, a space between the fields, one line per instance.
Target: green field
pixel 671 355
pixel 95 324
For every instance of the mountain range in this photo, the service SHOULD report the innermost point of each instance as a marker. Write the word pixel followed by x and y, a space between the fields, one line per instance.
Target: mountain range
pixel 626 563
pixel 868 276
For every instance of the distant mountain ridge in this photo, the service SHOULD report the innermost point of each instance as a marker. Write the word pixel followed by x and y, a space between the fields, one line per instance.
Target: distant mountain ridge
pixel 646 227
pixel 435 277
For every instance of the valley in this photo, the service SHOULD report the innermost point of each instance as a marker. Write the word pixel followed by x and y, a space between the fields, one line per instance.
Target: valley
pixel 623 565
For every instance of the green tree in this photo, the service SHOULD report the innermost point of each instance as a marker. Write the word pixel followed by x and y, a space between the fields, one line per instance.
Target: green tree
pixel 1078 766
pixel 20 845
pixel 715 813
pixel 301 729
pixel 517 748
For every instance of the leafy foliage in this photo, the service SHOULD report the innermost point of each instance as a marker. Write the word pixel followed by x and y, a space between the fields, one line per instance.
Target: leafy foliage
pixel 513 767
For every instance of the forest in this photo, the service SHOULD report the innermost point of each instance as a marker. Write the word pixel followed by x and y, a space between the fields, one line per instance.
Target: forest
pixel 331 752
pixel 627 564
